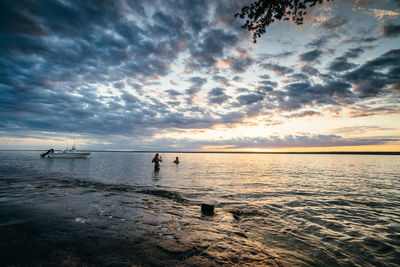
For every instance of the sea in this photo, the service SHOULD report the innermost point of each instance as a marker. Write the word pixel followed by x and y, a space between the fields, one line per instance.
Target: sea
pixel 115 209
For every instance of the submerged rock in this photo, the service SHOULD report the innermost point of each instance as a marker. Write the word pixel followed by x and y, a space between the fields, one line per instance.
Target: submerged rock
pixel 207 209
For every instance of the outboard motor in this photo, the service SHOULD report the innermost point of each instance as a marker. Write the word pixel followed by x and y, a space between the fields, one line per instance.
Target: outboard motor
pixel 46 153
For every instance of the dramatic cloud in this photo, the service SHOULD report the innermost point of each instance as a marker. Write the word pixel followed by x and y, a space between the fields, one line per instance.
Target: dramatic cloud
pixel 249 99
pixel 279 55
pixel 390 30
pixel 211 47
pixel 278 69
pixel 297 77
pixel 341 64
pixel 112 71
pixel 173 93
pixel 197 82
pixel 217 96
pixel 322 41
pixel 375 75
pixel 302 94
pixel 311 56
pixel 360 40
pixel 335 23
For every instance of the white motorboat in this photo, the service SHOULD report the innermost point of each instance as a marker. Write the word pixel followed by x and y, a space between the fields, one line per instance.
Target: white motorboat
pixel 67 153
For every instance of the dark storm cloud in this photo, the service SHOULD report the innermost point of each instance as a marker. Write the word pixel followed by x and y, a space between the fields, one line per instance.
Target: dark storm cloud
pixel 265 77
pixel 94 50
pixel 321 41
pixel 279 55
pixel 278 69
pixel 310 70
pixel 302 94
pixel 166 25
pixel 221 79
pixel 242 90
pixel 335 23
pixel 356 52
pixel 211 47
pixel 192 12
pixel 310 56
pixel 237 78
pixel 341 64
pixel 217 96
pixel 268 83
pixel 13 19
pixel 373 76
pixel 360 40
pixel 53 52
pixel 173 93
pixel 128 98
pixel 194 89
pixel 257 99
pixel 390 30
pixel 197 83
pixel 317 43
pixel 297 77
pixel 119 85
pixel 249 99
pixel 266 86
pixel 241 65
pixel 224 11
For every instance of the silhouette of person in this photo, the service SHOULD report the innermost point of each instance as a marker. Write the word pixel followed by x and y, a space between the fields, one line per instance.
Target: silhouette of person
pixel 176 161
pixel 156 160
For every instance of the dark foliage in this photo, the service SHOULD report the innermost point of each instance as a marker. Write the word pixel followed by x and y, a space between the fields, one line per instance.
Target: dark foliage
pixel 261 13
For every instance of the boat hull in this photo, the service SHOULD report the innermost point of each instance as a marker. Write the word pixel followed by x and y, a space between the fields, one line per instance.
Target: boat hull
pixel 70 155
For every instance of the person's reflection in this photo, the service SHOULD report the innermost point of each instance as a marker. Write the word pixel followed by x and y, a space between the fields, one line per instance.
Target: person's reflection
pixel 156 174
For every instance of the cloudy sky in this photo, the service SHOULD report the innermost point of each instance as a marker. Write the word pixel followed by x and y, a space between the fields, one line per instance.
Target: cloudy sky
pixel 182 75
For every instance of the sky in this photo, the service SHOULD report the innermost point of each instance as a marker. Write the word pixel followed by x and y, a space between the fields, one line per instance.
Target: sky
pixel 184 76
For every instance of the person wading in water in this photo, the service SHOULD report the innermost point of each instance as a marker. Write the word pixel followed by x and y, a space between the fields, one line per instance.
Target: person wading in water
pixel 156 160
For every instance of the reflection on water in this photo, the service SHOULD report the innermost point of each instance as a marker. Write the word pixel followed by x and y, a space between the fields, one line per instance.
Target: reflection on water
pixel 311 210
pixel 156 174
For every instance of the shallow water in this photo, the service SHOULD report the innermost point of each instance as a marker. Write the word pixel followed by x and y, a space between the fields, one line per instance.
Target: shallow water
pixel 113 208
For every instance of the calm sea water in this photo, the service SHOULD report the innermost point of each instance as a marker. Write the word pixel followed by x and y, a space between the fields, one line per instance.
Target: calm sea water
pixel 113 208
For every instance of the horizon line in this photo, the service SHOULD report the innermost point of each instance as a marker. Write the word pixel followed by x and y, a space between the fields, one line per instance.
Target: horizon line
pixel 235 152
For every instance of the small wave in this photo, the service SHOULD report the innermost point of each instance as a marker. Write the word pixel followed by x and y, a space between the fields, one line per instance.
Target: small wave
pixel 98 186
pixel 46 183
pixel 238 214
pixel 338 202
pixel 14 222
pixel 81 220
pixel 164 194
pixel 379 247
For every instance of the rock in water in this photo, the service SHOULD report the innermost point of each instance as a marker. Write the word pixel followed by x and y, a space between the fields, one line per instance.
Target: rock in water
pixel 207 209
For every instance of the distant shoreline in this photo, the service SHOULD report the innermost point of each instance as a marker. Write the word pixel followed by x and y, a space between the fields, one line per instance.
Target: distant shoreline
pixel 232 152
